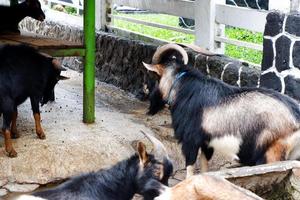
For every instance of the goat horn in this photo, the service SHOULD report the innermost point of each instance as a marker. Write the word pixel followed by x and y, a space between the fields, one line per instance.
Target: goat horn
pixel 159 149
pixel 165 48
pixel 45 54
pixel 198 49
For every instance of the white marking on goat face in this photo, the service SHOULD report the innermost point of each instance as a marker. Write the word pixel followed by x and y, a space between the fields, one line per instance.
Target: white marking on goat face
pixel 228 145
pixel 166 82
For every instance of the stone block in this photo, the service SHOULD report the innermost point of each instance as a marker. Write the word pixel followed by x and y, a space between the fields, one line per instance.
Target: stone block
pixel 3 182
pixel 271 81
pixel 15 187
pixel 293 24
pixel 296 55
pixel 216 65
pixel 292 87
pixel 231 74
pixel 249 77
pixel 268 55
pixel 274 24
pixel 282 59
pixel 3 192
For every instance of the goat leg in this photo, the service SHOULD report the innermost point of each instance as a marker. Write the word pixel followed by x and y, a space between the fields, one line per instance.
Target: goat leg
pixel 37 117
pixel 8 144
pixel 13 130
pixel 38 127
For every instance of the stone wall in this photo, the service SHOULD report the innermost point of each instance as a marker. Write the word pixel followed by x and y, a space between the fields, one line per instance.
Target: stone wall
pixel 281 61
pixel 119 60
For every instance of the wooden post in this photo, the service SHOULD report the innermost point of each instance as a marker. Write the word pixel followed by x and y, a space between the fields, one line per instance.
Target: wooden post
pixel 206 27
pixel 99 14
pixel 295 5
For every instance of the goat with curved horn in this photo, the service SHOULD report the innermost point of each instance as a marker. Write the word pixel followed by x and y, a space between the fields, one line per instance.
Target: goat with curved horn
pixel 162 52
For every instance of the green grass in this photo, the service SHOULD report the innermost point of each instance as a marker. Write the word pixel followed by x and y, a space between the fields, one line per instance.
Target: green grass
pixel 246 54
pixel 168 35
pixel 71 10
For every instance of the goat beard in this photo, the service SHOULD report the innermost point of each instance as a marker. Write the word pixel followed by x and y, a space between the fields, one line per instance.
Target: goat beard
pixel 157 103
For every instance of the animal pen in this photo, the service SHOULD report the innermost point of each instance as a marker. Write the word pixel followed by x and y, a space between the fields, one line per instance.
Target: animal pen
pixel 211 17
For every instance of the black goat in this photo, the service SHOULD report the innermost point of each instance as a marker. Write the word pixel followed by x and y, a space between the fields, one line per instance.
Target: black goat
pixel 11 16
pixel 120 182
pixel 24 73
pixel 251 125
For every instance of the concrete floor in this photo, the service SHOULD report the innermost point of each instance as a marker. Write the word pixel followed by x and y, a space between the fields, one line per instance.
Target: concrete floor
pixel 72 147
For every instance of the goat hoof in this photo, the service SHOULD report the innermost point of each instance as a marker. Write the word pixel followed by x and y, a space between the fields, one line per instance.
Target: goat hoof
pixel 41 136
pixel 15 135
pixel 12 153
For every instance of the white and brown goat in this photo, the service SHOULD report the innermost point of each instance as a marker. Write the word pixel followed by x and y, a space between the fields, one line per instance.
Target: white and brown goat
pixel 204 187
pixel 251 125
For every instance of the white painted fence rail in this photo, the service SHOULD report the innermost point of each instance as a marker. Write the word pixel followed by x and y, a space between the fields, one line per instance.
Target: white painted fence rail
pixel 210 17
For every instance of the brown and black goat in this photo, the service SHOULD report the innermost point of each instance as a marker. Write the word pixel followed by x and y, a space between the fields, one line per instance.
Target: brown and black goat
pixel 25 73
pixel 251 125
pixel 11 16
pixel 119 182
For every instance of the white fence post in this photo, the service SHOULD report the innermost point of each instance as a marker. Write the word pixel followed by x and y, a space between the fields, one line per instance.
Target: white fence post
pixel 283 5
pixel 102 11
pixel 295 5
pixel 206 27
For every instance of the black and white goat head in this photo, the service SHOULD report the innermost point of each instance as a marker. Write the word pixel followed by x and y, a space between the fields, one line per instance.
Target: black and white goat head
pixel 120 182
pixel 251 125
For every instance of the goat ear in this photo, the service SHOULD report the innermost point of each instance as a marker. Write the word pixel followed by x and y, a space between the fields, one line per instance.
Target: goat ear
pixel 143 155
pixel 157 68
